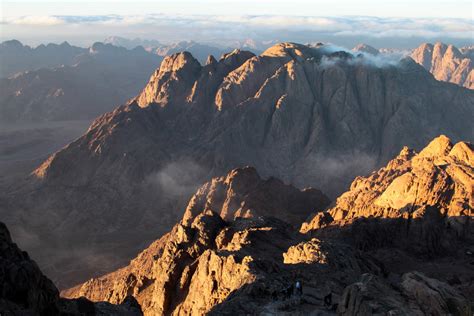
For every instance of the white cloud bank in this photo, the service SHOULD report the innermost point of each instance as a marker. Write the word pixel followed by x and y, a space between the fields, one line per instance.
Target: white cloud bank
pixel 261 27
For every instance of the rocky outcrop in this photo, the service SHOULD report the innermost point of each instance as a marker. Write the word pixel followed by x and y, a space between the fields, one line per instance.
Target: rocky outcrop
pixel 414 294
pixel 425 199
pixel 24 290
pixel 302 114
pixel 242 193
pixel 223 242
pixel 365 48
pixel 446 63
pixel 23 287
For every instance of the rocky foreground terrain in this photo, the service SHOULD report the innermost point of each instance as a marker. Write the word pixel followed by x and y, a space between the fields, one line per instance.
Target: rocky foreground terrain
pixel 310 116
pixel 399 242
pixel 25 291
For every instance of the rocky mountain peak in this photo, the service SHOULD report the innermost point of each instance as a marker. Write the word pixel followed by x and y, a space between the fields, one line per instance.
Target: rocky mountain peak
pixel 11 44
pixel 242 193
pixel 182 61
pixel 211 60
pixel 446 63
pixel 236 57
pixel 172 80
pixel 438 147
pixel 436 183
pixel 288 49
pixel 365 48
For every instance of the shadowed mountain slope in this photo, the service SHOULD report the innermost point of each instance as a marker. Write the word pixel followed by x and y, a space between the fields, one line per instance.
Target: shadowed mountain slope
pixel 25 291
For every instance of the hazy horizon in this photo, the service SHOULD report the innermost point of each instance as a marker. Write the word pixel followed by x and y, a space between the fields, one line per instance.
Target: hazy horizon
pixel 396 24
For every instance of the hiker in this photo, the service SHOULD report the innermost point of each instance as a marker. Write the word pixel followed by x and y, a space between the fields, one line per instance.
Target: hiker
pixel 299 288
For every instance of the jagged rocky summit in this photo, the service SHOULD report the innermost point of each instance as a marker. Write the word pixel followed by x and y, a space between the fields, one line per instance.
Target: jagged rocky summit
pixel 446 63
pixel 353 259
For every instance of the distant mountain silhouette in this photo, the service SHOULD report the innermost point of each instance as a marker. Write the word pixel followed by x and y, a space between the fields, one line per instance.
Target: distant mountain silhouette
pixel 91 82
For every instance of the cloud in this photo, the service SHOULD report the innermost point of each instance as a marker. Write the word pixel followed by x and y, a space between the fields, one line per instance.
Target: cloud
pixel 44 20
pixel 177 179
pixel 215 28
pixel 385 59
pixel 371 26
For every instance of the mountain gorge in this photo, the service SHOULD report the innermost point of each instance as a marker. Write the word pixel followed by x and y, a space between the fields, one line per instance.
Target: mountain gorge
pixel 398 242
pixel 307 115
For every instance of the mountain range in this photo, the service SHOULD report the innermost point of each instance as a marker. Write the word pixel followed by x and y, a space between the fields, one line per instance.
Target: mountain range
pixel 398 242
pixel 64 82
pixel 16 57
pixel 309 115
pixel 88 84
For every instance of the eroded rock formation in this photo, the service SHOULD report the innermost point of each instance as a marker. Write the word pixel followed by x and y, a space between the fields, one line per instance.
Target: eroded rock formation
pixel 415 195
pixel 446 63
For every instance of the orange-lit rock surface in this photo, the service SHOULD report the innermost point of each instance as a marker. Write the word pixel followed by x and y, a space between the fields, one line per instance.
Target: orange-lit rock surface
pixel 446 63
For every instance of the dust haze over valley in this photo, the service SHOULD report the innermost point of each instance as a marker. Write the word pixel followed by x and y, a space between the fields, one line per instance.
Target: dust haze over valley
pixel 177 159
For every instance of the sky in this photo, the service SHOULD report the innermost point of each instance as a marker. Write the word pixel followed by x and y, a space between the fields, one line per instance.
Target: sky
pixel 343 21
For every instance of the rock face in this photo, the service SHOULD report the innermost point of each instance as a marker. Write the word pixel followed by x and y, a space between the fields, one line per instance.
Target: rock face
pixel 446 63
pixel 242 193
pixel 23 286
pixel 24 290
pixel 227 265
pixel 418 295
pixel 429 191
pixel 303 114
